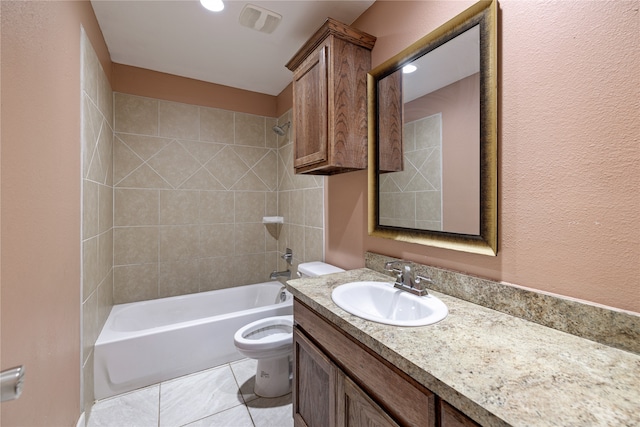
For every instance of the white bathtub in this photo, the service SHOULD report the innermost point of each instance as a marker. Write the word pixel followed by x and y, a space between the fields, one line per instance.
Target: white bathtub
pixel 143 343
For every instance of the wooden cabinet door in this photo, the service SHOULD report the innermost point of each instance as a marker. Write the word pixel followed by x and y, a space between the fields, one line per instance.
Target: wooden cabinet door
pixel 451 417
pixel 354 408
pixel 314 385
pixel 310 98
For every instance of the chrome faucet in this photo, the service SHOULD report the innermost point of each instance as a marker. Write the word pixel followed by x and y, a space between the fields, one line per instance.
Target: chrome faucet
pixel 275 274
pixel 287 256
pixel 406 278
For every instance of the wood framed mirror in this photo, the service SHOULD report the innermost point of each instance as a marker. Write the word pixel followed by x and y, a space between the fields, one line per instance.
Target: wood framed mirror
pixel 433 137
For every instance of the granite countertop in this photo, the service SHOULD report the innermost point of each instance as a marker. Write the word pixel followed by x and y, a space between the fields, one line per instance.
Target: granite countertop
pixel 496 368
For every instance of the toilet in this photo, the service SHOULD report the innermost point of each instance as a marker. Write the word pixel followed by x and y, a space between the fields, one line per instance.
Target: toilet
pixel 270 341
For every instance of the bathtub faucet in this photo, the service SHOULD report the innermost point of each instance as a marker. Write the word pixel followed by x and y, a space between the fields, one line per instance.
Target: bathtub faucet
pixel 276 274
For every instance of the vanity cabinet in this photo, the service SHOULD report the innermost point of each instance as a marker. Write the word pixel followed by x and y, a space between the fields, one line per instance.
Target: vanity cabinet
pixel 339 382
pixel 330 100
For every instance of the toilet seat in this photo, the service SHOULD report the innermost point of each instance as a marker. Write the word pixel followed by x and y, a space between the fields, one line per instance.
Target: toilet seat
pixel 265 338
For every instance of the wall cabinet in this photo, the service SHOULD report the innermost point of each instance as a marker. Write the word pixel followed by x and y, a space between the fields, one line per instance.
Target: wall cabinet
pixel 330 100
pixel 339 382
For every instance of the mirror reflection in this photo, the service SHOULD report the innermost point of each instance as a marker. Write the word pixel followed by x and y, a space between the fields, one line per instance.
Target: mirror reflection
pixel 433 137
pixel 437 186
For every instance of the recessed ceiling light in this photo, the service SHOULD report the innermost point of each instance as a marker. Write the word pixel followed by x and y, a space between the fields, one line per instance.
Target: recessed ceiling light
pixel 212 5
pixel 409 68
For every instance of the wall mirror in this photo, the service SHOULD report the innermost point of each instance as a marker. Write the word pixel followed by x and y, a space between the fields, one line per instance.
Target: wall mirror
pixel 433 137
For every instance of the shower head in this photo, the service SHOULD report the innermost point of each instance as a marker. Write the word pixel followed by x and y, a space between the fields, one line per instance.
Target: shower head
pixel 282 129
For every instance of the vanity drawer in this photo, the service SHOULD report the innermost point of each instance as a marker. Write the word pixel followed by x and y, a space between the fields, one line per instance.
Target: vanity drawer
pixel 401 397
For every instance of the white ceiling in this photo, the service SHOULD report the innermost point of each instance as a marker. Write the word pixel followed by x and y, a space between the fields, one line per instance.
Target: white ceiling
pixel 182 38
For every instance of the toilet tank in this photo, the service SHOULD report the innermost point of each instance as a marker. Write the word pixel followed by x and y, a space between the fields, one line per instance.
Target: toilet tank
pixel 316 268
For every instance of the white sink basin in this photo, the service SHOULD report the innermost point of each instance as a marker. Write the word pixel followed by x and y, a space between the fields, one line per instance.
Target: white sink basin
pixel 382 303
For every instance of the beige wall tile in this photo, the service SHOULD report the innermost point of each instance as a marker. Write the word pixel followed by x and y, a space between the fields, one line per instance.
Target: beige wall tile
pixel 216 207
pixel 429 206
pixel 105 195
pixel 217 273
pixel 89 324
pixel 174 164
pixel 313 203
pixel 105 254
pixel 271 234
pixel 90 268
pixel 87 384
pixel 105 298
pixel 202 180
pixel 216 125
pixel 135 245
pixel 125 160
pixel 217 240
pixel 97 216
pixel 135 283
pixel 178 278
pixel 179 207
pixel 105 97
pixel 271 203
pixel 227 167
pixel 236 186
pixel 296 207
pixel 250 238
pixel 143 177
pixel 313 244
pixel 179 242
pixel 136 207
pixel 295 241
pixel 135 114
pixel 176 120
pixel 250 130
pixel 249 206
pixel 283 205
pixel 251 269
pixel 266 170
pixel 271 137
pixel 90 209
pixel 91 122
pixel 202 151
pixel 143 146
pixel 250 182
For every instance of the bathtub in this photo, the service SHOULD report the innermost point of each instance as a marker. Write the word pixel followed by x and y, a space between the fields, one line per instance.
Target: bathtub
pixel 143 343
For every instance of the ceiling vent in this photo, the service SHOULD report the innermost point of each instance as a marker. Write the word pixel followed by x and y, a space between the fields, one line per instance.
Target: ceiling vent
pixel 260 19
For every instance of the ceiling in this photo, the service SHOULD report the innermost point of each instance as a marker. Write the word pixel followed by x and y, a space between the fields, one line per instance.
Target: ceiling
pixel 182 38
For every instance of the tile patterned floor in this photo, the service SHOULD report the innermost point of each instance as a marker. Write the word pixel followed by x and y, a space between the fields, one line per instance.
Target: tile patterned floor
pixel 218 397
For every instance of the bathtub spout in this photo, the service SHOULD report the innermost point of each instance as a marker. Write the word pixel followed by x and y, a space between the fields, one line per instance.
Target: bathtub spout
pixel 276 274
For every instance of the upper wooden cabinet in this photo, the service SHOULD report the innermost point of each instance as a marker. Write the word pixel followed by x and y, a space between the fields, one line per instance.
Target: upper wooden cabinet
pixel 330 100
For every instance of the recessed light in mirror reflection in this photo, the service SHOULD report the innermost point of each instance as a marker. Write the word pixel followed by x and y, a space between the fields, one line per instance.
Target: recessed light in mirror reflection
pixel 212 5
pixel 409 68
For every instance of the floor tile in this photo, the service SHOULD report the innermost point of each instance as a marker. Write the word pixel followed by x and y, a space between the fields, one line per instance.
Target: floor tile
pixel 198 396
pixel 275 412
pixel 245 373
pixel 138 408
pixel 234 417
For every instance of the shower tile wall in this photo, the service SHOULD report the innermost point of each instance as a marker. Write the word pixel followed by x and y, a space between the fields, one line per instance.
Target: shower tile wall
pixel 191 186
pixel 97 208
pixel 413 198
pixel 301 203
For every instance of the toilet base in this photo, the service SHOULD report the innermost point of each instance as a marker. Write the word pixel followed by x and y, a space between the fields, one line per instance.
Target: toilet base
pixel 273 377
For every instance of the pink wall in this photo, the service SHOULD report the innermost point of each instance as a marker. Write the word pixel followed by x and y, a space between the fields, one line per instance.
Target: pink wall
pixel 460 154
pixel 41 205
pixel 153 84
pixel 569 163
